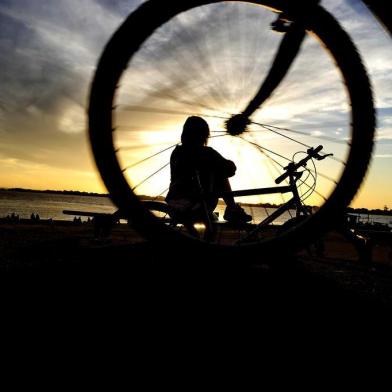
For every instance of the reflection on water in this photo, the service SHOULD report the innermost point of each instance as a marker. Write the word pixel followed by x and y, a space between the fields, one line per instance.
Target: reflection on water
pixel 52 205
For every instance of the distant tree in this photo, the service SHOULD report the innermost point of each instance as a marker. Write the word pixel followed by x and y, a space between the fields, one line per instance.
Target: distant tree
pixel 386 208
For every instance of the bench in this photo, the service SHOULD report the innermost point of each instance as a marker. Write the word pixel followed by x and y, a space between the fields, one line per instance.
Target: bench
pixel 103 222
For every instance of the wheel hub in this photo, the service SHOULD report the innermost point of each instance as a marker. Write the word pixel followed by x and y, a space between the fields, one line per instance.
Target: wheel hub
pixel 237 124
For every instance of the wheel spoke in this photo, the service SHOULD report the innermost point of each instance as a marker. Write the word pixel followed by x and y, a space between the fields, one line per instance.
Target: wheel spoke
pixel 215 136
pixel 284 58
pixel 326 177
pixel 275 129
pixel 326 138
pixel 143 146
pixel 180 84
pixel 139 129
pixel 161 193
pixel 271 162
pixel 149 157
pixel 206 66
pixel 262 148
pixel 150 176
pixel 281 134
pixel 146 109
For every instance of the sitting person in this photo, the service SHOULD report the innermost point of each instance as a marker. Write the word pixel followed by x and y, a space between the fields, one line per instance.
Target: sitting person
pixel 195 168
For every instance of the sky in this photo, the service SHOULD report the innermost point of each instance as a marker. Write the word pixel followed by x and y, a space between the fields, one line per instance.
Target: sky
pixel 49 51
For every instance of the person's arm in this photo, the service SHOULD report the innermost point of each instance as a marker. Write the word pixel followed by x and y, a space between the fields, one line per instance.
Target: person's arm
pixel 225 167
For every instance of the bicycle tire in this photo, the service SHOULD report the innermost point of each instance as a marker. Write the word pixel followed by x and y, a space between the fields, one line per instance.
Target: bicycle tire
pixel 377 7
pixel 126 41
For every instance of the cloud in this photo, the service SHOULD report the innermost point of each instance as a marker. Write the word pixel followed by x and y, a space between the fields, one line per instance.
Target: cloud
pixel 49 51
pixel 48 56
pixel 373 41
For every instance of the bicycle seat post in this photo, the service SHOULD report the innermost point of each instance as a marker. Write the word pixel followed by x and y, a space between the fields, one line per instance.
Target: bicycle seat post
pixel 204 203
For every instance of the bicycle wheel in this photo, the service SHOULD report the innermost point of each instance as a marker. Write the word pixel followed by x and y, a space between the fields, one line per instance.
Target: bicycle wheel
pixel 208 58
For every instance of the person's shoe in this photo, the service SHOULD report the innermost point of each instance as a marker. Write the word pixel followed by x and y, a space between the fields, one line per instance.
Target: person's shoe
pixel 236 214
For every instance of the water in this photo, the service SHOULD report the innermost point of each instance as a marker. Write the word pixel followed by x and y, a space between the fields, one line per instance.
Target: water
pixel 259 214
pixel 48 206
pixel 369 218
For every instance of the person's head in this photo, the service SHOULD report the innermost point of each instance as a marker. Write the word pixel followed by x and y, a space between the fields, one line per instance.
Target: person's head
pixel 195 132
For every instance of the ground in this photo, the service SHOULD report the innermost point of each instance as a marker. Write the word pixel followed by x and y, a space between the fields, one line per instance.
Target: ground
pixel 64 257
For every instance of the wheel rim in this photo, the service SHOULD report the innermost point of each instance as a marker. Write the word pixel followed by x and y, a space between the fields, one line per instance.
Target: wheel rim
pixel 108 149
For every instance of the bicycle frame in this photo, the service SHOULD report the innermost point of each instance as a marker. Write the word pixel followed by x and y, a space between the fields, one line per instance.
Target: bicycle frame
pixel 294 34
pixel 295 201
pixel 290 172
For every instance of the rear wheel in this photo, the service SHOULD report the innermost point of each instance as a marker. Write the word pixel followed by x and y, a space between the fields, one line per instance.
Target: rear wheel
pixel 208 58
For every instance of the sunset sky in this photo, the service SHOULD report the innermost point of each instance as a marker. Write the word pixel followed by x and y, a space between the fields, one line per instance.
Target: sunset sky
pixel 48 53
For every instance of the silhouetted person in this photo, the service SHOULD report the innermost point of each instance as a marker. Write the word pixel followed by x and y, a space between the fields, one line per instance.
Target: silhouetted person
pixel 34 217
pixel 195 167
pixel 103 224
pixel 14 217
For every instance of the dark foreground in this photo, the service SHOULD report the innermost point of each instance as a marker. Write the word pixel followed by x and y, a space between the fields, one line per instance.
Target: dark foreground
pixel 61 267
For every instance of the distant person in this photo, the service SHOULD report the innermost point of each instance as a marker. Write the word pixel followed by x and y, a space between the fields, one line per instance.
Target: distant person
pixel 34 217
pixel 194 165
pixel 14 217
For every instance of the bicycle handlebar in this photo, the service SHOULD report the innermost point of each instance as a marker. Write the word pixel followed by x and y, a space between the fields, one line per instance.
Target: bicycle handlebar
pixel 291 167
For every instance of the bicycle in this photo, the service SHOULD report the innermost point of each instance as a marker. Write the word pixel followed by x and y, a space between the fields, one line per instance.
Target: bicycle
pixel 249 231
pixel 378 9
pixel 146 60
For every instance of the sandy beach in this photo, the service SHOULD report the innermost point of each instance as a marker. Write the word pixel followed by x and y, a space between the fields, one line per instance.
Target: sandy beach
pixel 41 256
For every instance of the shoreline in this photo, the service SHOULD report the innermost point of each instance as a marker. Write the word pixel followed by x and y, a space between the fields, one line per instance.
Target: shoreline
pixel 361 211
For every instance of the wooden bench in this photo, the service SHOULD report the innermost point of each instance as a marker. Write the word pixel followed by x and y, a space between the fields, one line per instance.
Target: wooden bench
pixel 103 222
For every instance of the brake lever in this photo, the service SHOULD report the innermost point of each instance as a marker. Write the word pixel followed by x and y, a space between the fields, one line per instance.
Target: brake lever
pixel 321 157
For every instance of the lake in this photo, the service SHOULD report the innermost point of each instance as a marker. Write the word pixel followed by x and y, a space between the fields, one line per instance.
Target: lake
pixel 48 205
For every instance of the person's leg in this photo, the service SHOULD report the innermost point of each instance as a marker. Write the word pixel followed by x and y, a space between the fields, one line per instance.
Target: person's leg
pixel 234 212
pixel 226 189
